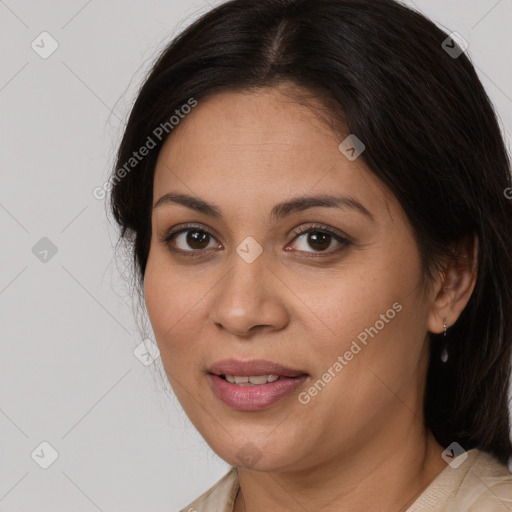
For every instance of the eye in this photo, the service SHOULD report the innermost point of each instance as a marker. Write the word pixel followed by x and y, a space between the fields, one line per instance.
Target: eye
pixel 318 238
pixel 190 239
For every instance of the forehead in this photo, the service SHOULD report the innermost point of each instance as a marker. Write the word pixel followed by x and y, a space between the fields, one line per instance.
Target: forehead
pixel 242 147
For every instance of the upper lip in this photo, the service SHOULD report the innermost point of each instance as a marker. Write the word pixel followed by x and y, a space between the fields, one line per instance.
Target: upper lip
pixel 252 368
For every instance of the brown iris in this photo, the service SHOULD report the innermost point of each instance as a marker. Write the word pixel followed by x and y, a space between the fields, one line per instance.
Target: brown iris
pixel 319 240
pixel 198 237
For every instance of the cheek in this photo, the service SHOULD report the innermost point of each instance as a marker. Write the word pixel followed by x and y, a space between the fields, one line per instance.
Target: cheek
pixel 365 301
pixel 175 309
pixel 157 298
pixel 376 321
pixel 382 361
pixel 375 369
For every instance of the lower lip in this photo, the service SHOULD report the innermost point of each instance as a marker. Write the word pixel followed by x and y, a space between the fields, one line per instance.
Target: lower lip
pixel 252 398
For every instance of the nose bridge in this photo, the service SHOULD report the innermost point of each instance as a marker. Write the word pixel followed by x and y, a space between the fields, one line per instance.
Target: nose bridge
pixel 247 296
pixel 248 270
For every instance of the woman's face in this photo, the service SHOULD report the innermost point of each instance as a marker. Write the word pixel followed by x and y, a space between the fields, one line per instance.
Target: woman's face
pixel 340 307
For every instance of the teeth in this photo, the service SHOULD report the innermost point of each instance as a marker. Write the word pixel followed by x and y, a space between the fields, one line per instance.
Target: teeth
pixel 252 380
pixel 262 379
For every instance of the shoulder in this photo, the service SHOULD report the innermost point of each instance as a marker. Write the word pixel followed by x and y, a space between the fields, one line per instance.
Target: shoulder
pixel 474 482
pixel 219 498
pixel 486 487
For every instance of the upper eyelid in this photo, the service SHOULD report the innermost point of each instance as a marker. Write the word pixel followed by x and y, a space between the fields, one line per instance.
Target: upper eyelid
pixel 183 229
pixel 320 228
pixel 297 231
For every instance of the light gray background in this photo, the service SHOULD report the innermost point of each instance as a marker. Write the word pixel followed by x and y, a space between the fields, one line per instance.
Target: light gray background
pixel 68 374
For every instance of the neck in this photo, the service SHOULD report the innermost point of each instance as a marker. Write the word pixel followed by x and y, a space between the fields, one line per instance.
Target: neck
pixel 391 475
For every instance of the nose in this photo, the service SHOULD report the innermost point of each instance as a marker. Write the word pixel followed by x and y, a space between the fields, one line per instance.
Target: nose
pixel 250 298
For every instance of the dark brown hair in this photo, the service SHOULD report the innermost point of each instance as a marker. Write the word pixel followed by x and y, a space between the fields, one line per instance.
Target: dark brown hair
pixel 431 137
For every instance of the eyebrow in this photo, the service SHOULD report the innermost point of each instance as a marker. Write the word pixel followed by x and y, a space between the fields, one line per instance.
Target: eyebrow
pixel 278 212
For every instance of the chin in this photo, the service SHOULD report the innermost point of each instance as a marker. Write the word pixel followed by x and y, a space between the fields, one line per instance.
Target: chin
pixel 248 452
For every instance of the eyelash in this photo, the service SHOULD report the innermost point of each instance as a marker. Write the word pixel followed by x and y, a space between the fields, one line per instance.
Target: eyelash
pixel 317 228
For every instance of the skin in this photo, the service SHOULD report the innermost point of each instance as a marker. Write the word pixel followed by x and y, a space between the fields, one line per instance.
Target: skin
pixel 361 440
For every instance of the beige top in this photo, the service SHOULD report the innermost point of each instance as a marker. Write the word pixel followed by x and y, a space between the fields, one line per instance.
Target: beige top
pixel 479 484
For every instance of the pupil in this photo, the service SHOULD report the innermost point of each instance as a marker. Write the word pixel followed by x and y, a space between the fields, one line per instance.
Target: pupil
pixel 320 239
pixel 199 238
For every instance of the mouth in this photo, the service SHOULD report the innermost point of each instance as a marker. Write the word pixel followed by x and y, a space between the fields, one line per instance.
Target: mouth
pixel 251 380
pixel 252 368
pixel 253 385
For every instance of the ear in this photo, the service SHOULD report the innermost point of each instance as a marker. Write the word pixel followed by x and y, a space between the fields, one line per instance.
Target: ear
pixel 455 285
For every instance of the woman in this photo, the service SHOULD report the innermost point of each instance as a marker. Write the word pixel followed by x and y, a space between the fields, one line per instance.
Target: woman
pixel 319 217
